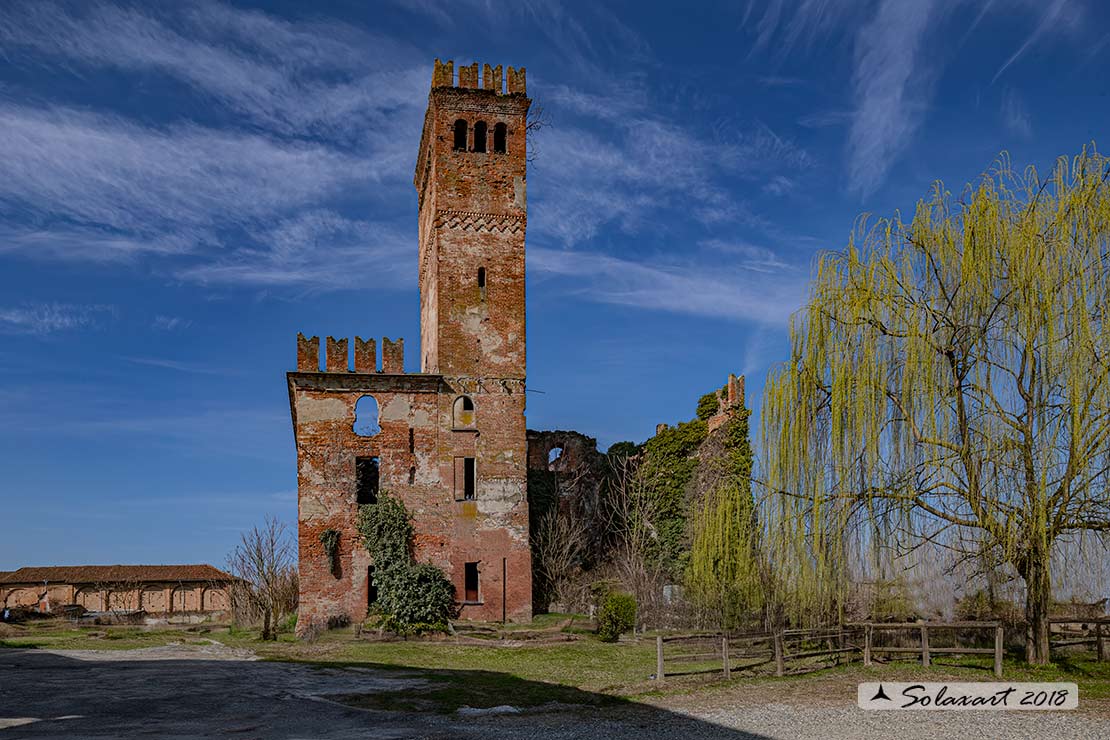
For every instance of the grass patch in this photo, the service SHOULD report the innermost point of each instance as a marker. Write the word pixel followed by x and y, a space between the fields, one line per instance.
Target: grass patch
pixel 63 636
pixel 584 664
pixel 450 690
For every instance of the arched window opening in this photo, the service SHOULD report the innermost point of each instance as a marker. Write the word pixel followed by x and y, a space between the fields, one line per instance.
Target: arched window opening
pixel 500 134
pixel 460 135
pixel 366 417
pixel 554 456
pixel 463 412
pixel 480 136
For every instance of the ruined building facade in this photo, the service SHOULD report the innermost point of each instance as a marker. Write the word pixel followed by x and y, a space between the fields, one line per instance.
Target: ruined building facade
pixel 448 441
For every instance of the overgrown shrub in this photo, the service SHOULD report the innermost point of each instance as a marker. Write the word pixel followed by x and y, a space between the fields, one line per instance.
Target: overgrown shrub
pixel 708 405
pixel 616 616
pixel 412 597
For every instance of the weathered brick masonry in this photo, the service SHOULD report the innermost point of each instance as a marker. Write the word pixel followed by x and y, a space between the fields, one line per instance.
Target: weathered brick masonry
pixel 451 443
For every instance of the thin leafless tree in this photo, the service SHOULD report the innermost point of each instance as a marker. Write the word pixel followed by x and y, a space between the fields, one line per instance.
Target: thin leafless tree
pixel 264 564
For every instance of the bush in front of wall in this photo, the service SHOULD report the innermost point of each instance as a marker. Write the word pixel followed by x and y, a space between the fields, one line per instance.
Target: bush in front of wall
pixel 616 616
pixel 412 597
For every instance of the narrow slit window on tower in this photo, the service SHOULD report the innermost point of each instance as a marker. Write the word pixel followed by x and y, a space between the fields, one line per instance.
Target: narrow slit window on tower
pixel 412 440
pixel 371 587
pixel 470 585
pixel 482 278
pixel 367 480
pixel 464 479
pixel 460 135
pixel 500 133
pixel 480 136
pixel 412 476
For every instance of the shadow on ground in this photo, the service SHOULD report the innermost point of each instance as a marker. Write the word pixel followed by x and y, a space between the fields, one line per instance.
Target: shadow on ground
pixel 47 694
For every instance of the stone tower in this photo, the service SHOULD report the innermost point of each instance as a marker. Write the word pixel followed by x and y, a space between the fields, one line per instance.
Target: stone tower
pixel 470 180
pixel 449 441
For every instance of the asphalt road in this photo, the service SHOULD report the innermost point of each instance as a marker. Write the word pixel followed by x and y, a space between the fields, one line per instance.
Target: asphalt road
pixel 213 692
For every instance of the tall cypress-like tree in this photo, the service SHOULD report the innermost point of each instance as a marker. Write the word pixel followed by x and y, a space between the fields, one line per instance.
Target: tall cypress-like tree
pixel 949 382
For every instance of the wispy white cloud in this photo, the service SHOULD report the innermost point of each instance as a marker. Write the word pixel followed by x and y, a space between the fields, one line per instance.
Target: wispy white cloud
pixel 170 323
pixel 48 318
pixel 780 185
pixel 177 365
pixel 788 24
pixel 293 78
pixel 1015 114
pixel 642 169
pixel 1056 16
pixel 316 250
pixel 717 289
pixel 826 119
pixel 105 172
pixel 315 108
pixel 888 112
pixel 89 243
pixel 895 64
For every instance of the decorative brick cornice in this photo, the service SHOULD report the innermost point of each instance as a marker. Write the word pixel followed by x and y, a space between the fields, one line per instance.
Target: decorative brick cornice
pixel 475 221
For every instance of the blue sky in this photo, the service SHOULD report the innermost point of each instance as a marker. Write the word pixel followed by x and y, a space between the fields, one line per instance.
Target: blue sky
pixel 185 186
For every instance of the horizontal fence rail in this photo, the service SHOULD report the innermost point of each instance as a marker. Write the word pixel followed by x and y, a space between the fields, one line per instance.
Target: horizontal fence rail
pixel 922 630
pixel 1099 630
pixel 703 653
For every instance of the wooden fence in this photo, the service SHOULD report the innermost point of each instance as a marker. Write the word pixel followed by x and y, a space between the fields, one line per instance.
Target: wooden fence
pixel 1099 634
pixel 921 630
pixel 712 653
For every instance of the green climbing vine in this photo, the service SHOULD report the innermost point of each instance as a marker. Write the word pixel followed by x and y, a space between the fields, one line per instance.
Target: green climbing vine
pixel 412 597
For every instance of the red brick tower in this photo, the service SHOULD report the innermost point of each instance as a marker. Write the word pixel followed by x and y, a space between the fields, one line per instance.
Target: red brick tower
pixel 450 440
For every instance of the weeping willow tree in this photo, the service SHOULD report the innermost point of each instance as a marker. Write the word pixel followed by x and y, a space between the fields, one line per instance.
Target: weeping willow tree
pixel 949 385
pixel 724 574
pixel 724 571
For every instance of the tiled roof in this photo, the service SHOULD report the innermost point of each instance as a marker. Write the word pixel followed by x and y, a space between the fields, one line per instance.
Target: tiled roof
pixel 115 574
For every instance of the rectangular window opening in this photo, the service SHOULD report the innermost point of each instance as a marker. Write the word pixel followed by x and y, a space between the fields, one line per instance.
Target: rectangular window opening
pixel 412 439
pixel 471 585
pixel 468 486
pixel 464 479
pixel 371 587
pixel 367 480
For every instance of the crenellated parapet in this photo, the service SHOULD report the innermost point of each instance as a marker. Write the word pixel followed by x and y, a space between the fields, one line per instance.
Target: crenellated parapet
pixel 308 353
pixel 337 356
pixel 730 401
pixel 512 82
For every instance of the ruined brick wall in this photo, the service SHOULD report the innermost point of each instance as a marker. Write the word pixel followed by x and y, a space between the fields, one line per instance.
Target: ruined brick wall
pixel 491 529
pixel 472 216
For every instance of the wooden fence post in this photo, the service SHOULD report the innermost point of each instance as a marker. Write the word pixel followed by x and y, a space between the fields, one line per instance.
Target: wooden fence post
pixel 924 645
pixel 724 656
pixel 778 654
pixel 659 658
pixel 867 644
pixel 1100 651
pixel 998 651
